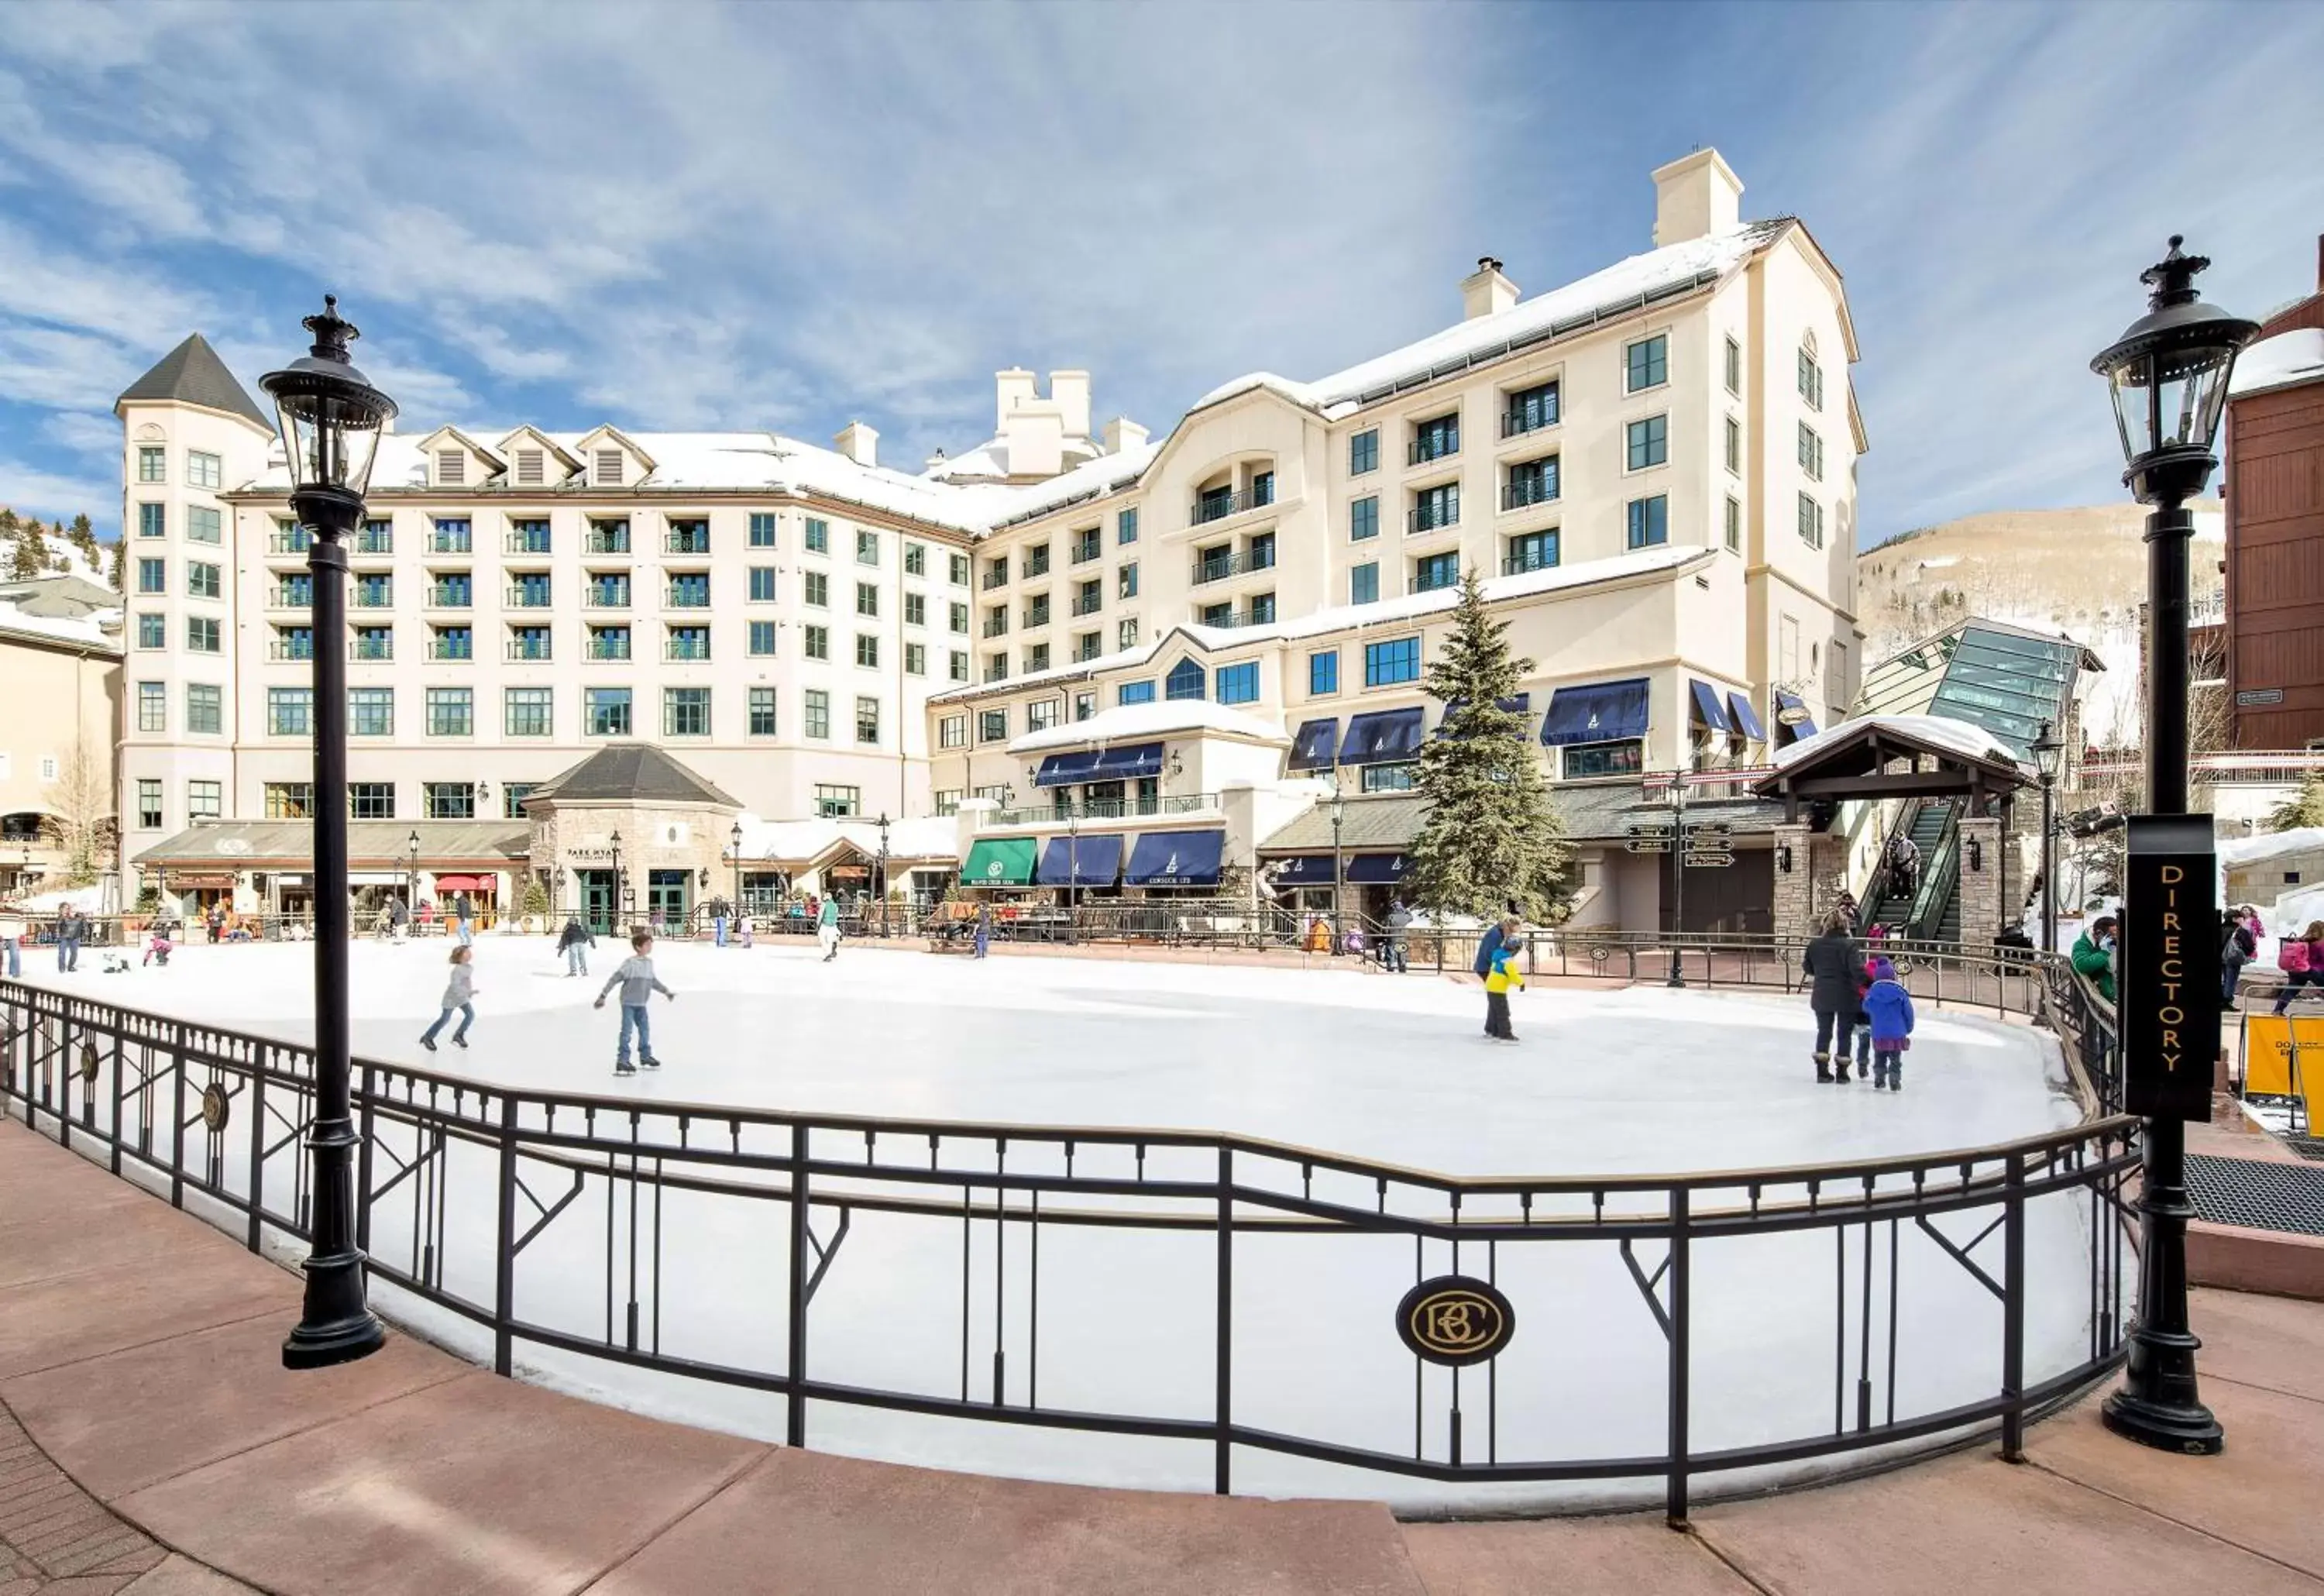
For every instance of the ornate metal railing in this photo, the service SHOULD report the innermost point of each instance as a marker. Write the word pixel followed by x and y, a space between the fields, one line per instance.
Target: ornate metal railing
pixel 700 1240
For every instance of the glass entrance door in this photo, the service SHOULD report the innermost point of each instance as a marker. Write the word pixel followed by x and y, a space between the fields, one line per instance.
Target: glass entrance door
pixel 597 899
pixel 666 894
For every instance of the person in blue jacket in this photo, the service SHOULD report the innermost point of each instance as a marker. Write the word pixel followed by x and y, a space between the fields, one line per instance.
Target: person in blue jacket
pixel 1888 1016
pixel 1507 934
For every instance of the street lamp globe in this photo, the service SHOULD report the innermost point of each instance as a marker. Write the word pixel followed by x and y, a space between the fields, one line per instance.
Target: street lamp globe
pixel 331 418
pixel 2049 751
pixel 2168 374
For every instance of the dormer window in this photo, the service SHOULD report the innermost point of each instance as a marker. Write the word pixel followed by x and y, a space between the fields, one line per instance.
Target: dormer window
pixel 531 468
pixel 451 467
pixel 609 468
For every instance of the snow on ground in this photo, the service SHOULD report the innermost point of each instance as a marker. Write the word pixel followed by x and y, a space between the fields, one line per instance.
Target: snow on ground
pixel 1391 1068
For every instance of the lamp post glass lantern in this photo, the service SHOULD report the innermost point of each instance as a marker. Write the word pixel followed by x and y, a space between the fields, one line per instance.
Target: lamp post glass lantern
pixel 2168 377
pixel 331 421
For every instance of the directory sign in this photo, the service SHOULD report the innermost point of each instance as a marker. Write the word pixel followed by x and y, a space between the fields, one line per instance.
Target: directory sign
pixel 2167 982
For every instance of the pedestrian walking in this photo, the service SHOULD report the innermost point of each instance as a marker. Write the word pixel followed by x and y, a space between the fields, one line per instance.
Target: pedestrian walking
pixel 2238 948
pixel 718 918
pixel 459 992
pixel 1489 948
pixel 1851 913
pixel 574 942
pixel 1889 1021
pixel 2093 957
pixel 1394 955
pixel 72 928
pixel 399 917
pixel 983 929
pixel 1502 979
pixel 12 936
pixel 826 929
pixel 1831 962
pixel 463 919
pixel 638 984
pixel 2301 958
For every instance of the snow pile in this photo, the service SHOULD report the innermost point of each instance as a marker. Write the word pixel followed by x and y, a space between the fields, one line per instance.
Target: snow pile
pixel 1939 731
pixel 2251 850
pixel 2285 361
pixel 1128 722
pixel 922 837
pixel 100 629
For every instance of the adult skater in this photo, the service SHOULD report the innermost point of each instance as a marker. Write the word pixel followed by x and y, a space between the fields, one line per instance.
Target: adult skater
pixel 11 938
pixel 1393 954
pixel 1489 946
pixel 983 929
pixel 459 992
pixel 398 918
pixel 1889 1021
pixel 574 942
pixel 464 919
pixel 826 929
pixel 638 984
pixel 1831 962
pixel 72 928
pixel 718 922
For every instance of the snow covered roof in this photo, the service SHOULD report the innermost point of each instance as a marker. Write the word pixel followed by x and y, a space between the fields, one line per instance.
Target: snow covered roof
pixel 1936 730
pixel 2275 844
pixel 88 631
pixel 1125 722
pixel 2285 361
pixel 935 836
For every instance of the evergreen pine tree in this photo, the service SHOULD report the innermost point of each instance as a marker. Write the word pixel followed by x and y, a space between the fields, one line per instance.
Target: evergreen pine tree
pixel 30 556
pixel 2304 809
pixel 1491 836
pixel 121 567
pixel 58 550
pixel 82 536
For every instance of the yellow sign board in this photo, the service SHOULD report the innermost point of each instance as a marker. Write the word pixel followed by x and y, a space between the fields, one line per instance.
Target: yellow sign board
pixel 2278 1049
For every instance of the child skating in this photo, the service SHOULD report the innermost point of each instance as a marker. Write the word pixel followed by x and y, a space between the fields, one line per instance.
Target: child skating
pixel 459 992
pixel 1889 1017
pixel 638 983
pixel 1500 980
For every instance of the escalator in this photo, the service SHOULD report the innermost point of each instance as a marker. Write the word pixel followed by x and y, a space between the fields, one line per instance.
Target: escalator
pixel 1931 912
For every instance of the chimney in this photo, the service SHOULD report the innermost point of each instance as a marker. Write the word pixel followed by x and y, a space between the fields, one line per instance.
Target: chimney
pixel 859 443
pixel 1695 196
pixel 1070 393
pixel 1485 291
pixel 1122 433
pixel 1012 388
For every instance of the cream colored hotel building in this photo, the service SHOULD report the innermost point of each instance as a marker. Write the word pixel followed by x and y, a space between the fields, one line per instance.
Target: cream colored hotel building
pixel 1653 467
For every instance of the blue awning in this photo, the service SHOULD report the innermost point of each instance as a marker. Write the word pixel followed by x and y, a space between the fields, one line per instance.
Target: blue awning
pixel 1707 707
pixel 1793 721
pixel 1318 745
pixel 1603 712
pixel 1520 705
pixel 1096 860
pixel 1746 719
pixel 1176 859
pixel 1065 769
pixel 1374 870
pixel 1135 762
pixel 1382 737
pixel 1304 869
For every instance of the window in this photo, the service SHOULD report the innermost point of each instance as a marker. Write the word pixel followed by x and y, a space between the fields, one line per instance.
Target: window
pixel 763 584
pixel 451 712
pixel 1041 715
pixel 1134 693
pixel 1087 646
pixel 201 635
pixel 1646 364
pixel 1810 522
pixel 867 547
pixel 609 537
pixel 1363 518
pixel 1649 443
pixel 153 520
pixel 529 536
pixel 374 642
pixel 916 560
pixel 760 721
pixel 454 590
pixel 149 798
pixel 609 642
pixel 294 591
pixel 958 670
pixel 1125 526
pixel 294 643
pixel 1811 378
pixel 867 599
pixel 1125 580
pixel 202 471
pixel 1735 368
pixel 289 801
pixel 1434 571
pixel 958 571
pixel 916 659
pixel 688 642
pixel 1649 521
pixel 915 609
pixel 818 712
pixel 1323 673
pixel 1187 680
pixel 152 706
pixel 1532 552
pixel 1037 657
pixel 289 712
pixel 1217 614
pixel 1393 661
pixel 371 800
pixel 609 468
pixel 1398 778
pixel 203 525
pixel 528 590
pixel 817 589
pixel 449 801
pixel 762 530
pixel 1363 583
pixel 837 802
pixel 1125 633
pixel 205 708
pixel 1436 507
pixel 531 468
pixel 818 536
pixel 1734 525
pixel 529 642
pixel 451 467
pixel 1087 545
pixel 867 651
pixel 153 630
pixel 153 464
pixel 1363 452
pixel 959 620
pixel 1529 411
pixel 1810 453
pixel 451 534
pixel 1085 705
pixel 948 801
pixel 690 591
pixel 1583 761
pixel 152 576
pixel 204 800
pixel 1238 684
pixel 202 580
pixel 512 797
pixel 686 711
pixel 992 725
pixel 1435 438
pixel 452 643
pixel 605 712
pixel 525 712
pixel 951 732
pixel 376 591
pixel 816 642
pixel 1531 482
pixel 1037 561
pixel 761 638
pixel 1734 446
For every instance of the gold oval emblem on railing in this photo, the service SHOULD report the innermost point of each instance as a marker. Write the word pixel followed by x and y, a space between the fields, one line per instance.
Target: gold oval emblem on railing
pixel 215 1106
pixel 1455 1319
pixel 89 1061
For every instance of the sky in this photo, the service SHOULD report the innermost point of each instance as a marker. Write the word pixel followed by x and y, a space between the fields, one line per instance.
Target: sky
pixel 675 217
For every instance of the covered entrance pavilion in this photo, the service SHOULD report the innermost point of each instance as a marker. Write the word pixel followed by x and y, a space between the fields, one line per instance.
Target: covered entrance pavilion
pixel 630 837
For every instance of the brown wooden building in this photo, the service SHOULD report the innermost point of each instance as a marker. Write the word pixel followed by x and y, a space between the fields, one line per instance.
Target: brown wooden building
pixel 2274 489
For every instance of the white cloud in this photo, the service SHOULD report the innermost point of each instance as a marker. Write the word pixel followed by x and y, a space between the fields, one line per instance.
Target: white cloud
pixel 33 490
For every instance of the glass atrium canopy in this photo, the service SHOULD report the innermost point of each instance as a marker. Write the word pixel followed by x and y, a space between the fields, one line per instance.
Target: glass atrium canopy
pixel 2001 678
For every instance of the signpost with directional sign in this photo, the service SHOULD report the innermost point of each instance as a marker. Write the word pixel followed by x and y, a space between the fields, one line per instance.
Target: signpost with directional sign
pixel 1699 844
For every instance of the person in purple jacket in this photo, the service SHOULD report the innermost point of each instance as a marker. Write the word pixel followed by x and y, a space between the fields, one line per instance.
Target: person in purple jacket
pixel 1888 1016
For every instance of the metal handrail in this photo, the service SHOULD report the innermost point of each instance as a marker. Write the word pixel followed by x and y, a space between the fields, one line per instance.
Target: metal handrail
pixel 1218 567
pixel 1938 876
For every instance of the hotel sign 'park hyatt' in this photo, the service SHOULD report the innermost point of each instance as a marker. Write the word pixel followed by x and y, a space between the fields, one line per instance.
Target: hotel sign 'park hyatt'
pixel 2168 984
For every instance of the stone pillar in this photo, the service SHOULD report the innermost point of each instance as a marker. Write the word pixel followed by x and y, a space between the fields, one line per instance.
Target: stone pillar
pixel 1795 899
pixel 1980 889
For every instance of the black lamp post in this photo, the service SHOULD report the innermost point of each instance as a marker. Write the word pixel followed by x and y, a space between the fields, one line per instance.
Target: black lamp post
pixel 1339 861
pixel 2049 752
pixel 1678 876
pixel 331 419
pixel 883 873
pixel 736 837
pixel 621 898
pixel 412 874
pixel 2169 376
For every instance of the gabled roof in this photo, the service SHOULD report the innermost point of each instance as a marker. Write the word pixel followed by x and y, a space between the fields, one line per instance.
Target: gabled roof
pixel 637 450
pixel 192 373
pixel 507 446
pixel 490 458
pixel 629 772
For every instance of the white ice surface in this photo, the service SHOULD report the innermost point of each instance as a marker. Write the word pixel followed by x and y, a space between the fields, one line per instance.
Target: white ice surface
pixel 1391 1068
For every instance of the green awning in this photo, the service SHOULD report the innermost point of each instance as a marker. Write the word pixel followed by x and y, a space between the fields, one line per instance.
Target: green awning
pixel 999 862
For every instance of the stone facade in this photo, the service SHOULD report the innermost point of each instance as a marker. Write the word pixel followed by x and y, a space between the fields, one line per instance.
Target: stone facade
pixel 1981 916
pixel 1795 888
pixel 688 839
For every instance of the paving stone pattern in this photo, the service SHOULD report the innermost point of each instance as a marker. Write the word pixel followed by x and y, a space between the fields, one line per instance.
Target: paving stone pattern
pixel 58 1540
